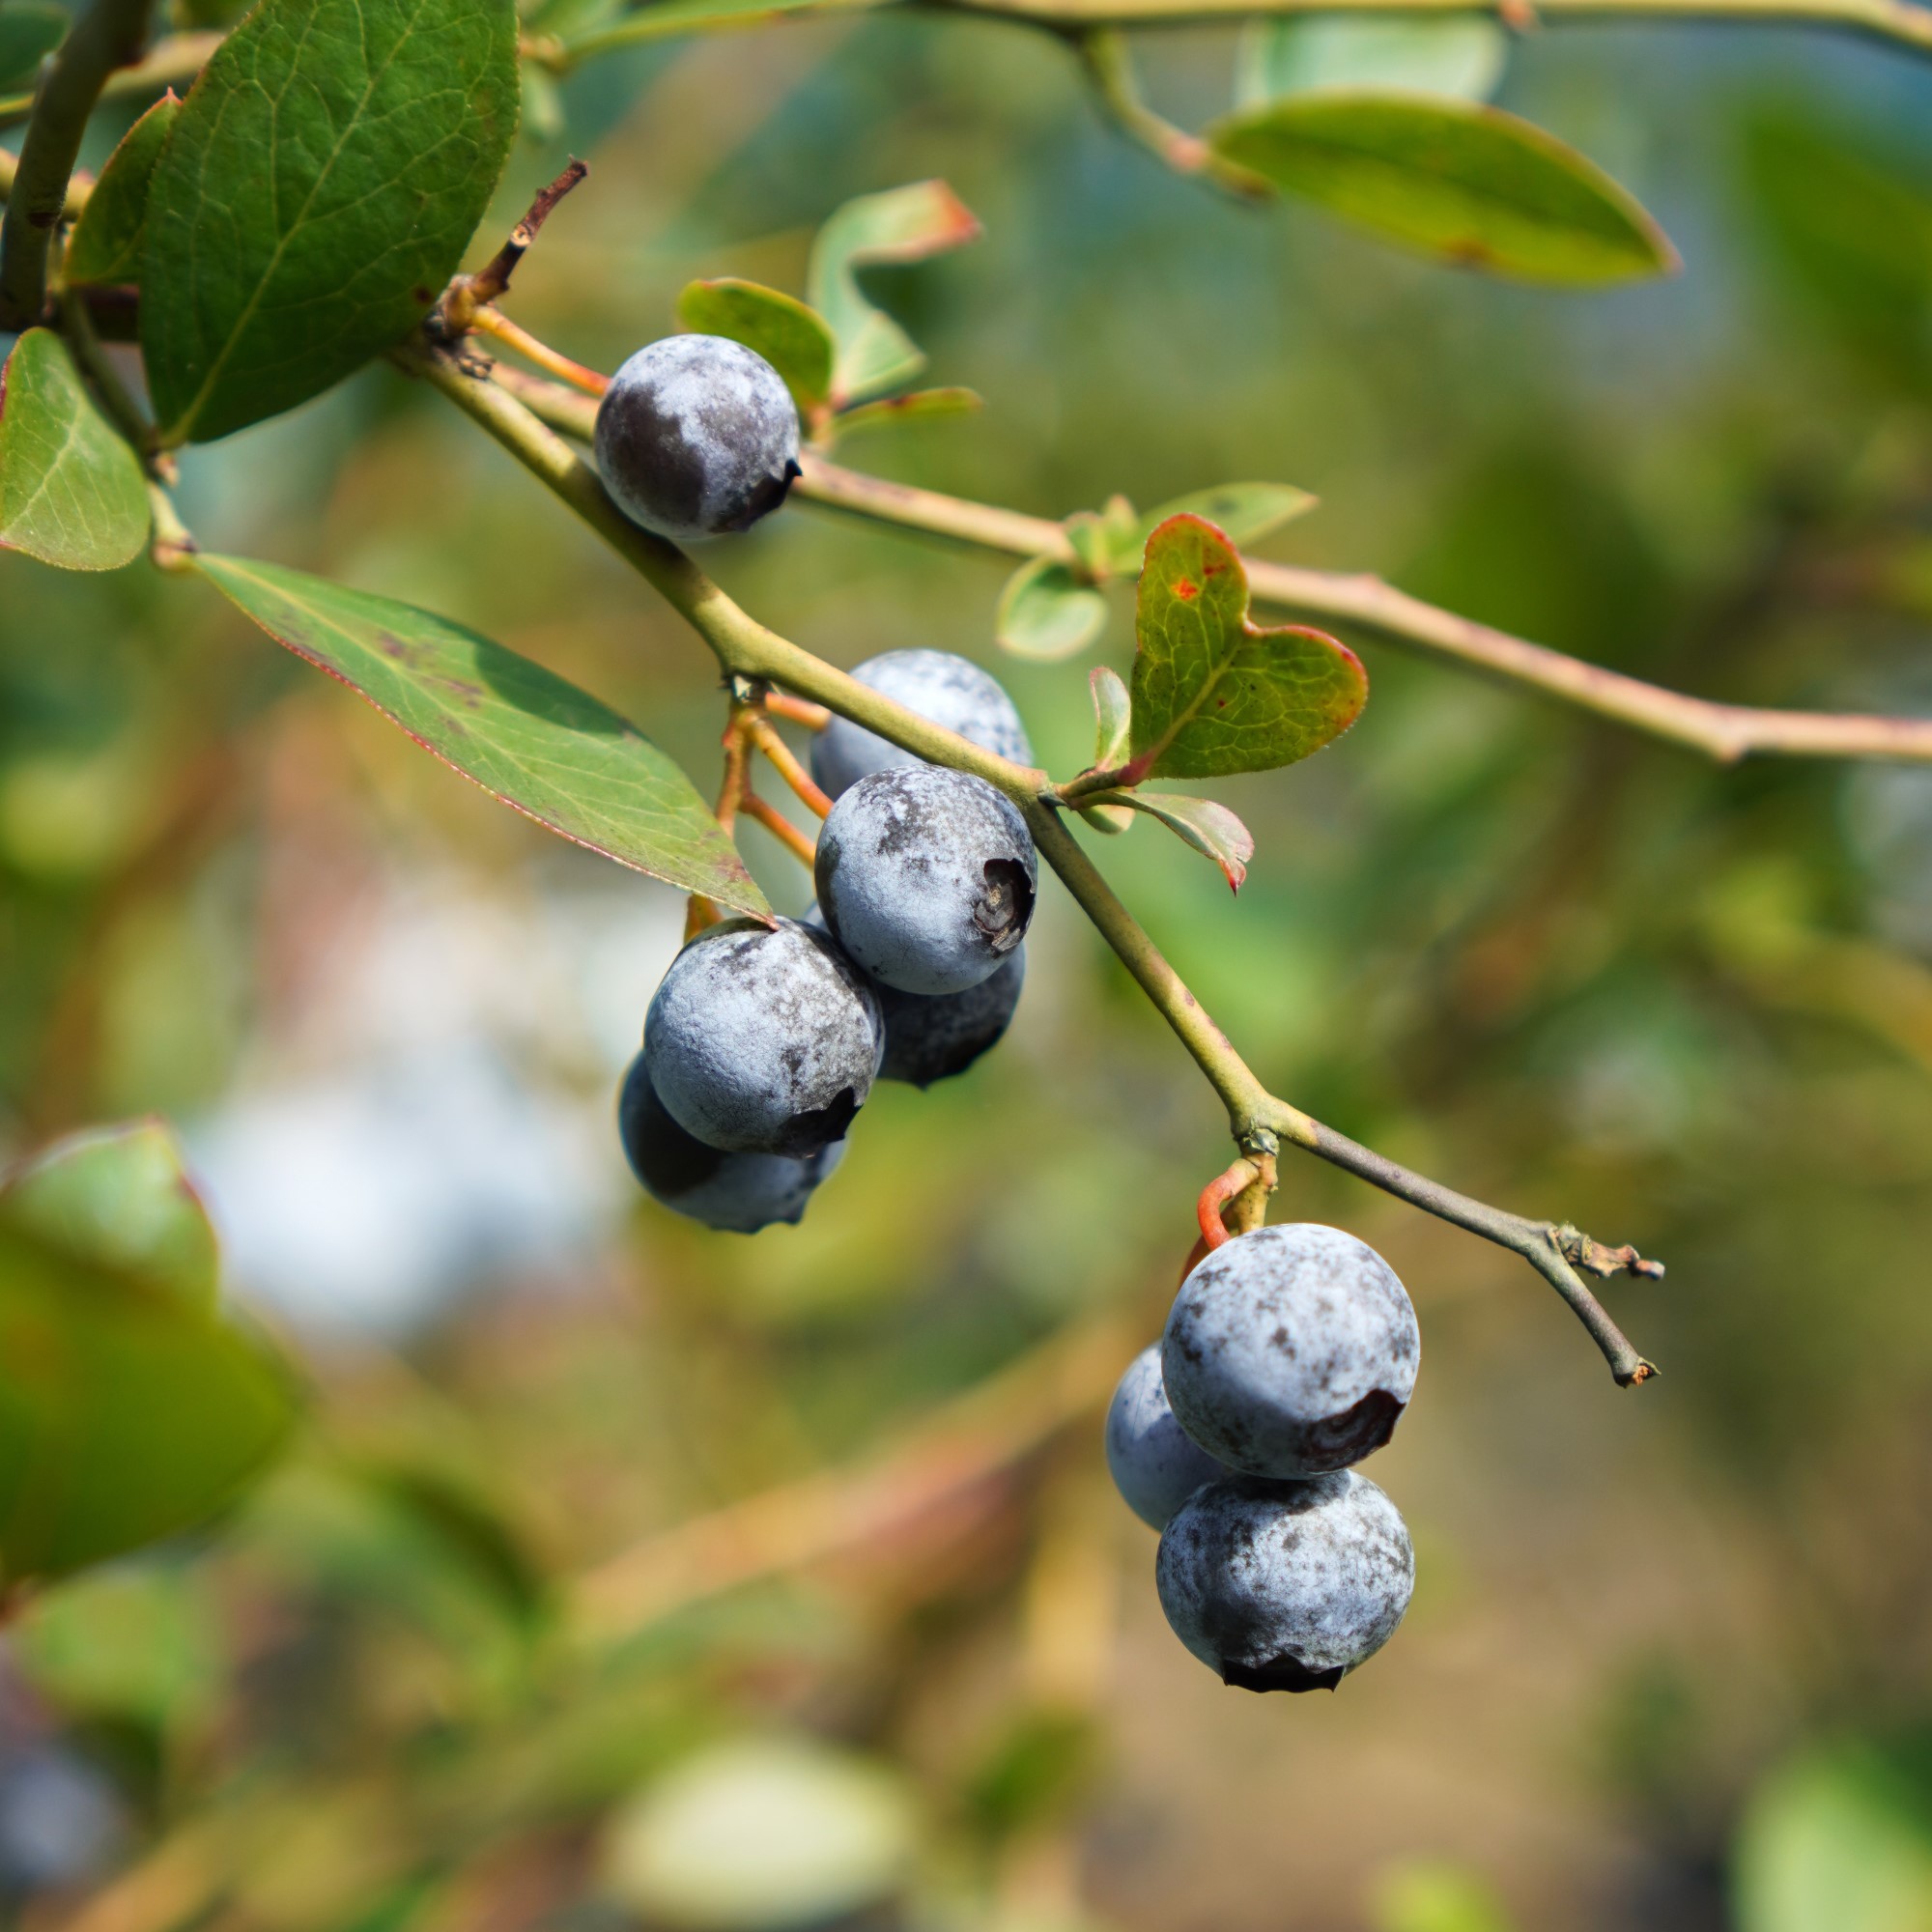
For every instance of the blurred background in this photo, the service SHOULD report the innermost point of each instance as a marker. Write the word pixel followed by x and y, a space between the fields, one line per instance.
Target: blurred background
pixel 1669 1663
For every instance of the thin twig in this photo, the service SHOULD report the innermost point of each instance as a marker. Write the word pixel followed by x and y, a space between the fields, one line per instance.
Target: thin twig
pixel 172 59
pixel 1109 62
pixel 746 649
pixel 512 335
pixel 107 36
pixel 961 1445
pixel 456 313
pixel 802 848
pixel 803 785
pixel 1725 732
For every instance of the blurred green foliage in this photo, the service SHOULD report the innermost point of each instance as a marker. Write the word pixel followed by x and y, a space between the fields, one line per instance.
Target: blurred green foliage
pixel 1555 964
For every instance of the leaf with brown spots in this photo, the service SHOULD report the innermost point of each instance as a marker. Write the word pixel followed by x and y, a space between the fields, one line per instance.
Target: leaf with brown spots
pixel 1214 693
pixel 519 732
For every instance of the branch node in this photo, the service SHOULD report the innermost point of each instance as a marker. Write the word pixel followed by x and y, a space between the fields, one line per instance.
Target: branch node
pixel 1593 1256
pixel 456 313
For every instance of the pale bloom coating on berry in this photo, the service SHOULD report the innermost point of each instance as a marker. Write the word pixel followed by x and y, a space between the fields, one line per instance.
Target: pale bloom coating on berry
pixel 764 1040
pixel 736 1193
pixel 1154 1464
pixel 951 690
pixel 932 1037
pixel 926 878
pixel 1286 1586
pixel 1291 1350
pixel 697 436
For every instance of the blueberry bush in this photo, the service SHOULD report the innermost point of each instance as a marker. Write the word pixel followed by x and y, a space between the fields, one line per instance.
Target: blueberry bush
pixel 282 1614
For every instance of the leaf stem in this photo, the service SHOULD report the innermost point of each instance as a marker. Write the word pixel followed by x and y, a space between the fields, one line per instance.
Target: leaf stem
pixel 107 36
pixel 1105 54
pixel 745 648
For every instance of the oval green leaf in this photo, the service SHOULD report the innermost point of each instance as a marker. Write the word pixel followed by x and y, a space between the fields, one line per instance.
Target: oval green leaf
pixel 517 730
pixel 1214 693
pixel 107 243
pixel 1459 55
pixel 72 493
pixel 1046 613
pixel 121 1197
pixel 791 338
pixel 324 177
pixel 1470 185
pixel 903 224
pixel 130 1409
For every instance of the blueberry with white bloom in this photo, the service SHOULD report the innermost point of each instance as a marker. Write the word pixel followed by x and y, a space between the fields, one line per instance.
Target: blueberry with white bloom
pixel 950 691
pixel 697 436
pixel 1154 1464
pixel 1291 1350
pixel 1286 1586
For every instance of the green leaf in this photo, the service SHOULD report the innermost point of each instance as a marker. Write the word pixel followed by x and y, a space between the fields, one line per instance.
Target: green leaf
pixel 324 177
pixel 108 239
pixel 1113 716
pixel 1472 185
pixel 1211 829
pixel 29 30
pixel 1460 55
pixel 903 224
pixel 1214 693
pixel 919 405
pixel 72 493
pixel 130 1410
pixel 791 338
pixel 121 1197
pixel 1242 512
pixel 519 730
pixel 1047 612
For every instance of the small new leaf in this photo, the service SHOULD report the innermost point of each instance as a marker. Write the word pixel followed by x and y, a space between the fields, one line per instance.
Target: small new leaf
pixel 903 224
pixel 1214 693
pixel 1459 55
pixel 1113 716
pixel 133 1408
pixel 72 493
pixel 323 178
pixel 1212 829
pixel 1472 185
pixel 919 405
pixel 517 730
pixel 106 241
pixel 1242 512
pixel 791 338
pixel 1047 612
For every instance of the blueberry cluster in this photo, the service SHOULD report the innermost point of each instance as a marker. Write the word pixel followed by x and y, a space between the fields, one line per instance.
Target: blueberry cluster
pixel 762 1041
pixel 1290 1354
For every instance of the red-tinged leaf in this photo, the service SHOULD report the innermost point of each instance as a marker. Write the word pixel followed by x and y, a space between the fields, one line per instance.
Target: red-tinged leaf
pixel 1212 829
pixel 1214 693
pixel 519 730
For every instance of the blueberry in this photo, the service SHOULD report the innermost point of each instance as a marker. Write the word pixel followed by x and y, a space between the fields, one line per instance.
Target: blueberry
pixel 926 878
pixel 931 1037
pixel 951 690
pixel 738 1193
pixel 1291 1350
pixel 1286 1586
pixel 1155 1464
pixel 764 1040
pixel 697 436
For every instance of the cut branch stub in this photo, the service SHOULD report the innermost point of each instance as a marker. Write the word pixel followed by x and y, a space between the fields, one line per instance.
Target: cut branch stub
pixel 1214 693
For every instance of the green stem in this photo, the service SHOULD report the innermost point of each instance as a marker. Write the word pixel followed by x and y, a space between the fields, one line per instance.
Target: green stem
pixel 175 58
pixel 107 36
pixel 745 649
pixel 1109 62
pixel 77 325
pixel 1724 732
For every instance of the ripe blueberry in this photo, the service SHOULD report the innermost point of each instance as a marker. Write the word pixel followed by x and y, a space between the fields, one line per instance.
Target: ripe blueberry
pixel 926 878
pixel 951 690
pixel 697 436
pixel 1291 1350
pixel 764 1040
pixel 1286 1586
pixel 1156 1466
pixel 737 1193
